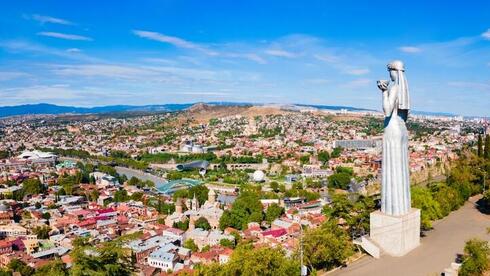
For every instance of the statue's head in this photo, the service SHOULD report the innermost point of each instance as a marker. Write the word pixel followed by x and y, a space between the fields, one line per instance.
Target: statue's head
pixel 397 75
pixel 394 68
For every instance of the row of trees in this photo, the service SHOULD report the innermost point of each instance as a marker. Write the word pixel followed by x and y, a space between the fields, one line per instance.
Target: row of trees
pixel 483 151
pixel 324 247
pixel 437 200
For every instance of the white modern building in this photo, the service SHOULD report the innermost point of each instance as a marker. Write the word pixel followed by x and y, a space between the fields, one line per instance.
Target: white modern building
pixel 162 259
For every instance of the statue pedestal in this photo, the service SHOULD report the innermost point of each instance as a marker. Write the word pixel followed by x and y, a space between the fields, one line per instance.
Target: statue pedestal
pixel 395 235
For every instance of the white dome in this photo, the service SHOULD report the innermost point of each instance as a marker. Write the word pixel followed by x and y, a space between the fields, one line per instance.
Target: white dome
pixel 258 176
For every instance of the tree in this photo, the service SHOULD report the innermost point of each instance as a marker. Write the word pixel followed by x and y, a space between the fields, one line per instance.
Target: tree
pixel 340 207
pixel 182 225
pixel 476 258
pixel 137 196
pixel 53 268
pixel 108 258
pixel 42 232
pixel 5 272
pixel 17 265
pixel 486 151
pixel 4 154
pixel 429 208
pixel 347 170
pixel 246 208
pixel 360 215
pixel 190 244
pixel 46 216
pixel 94 195
pixel 121 196
pixel 274 186
pixel 202 223
pixel 355 214
pixel 326 247
pixel 339 180
pixel 304 159
pixel 273 211
pixel 480 146
pixel 161 206
pixel 227 243
pixel 323 156
pixel 200 191
pixel 133 181
pixel 448 198
pixel 32 186
pixel 336 152
pixel 486 199
pixel 247 260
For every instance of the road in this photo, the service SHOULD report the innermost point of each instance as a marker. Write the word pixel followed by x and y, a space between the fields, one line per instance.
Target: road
pixel 129 172
pixel 437 250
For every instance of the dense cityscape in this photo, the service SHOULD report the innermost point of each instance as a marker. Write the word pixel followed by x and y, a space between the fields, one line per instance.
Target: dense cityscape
pixel 199 191
pixel 244 138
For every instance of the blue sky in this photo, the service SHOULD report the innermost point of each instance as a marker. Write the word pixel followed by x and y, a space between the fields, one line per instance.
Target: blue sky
pixel 90 53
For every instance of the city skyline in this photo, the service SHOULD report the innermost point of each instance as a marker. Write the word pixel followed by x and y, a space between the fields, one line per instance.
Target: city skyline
pixel 170 52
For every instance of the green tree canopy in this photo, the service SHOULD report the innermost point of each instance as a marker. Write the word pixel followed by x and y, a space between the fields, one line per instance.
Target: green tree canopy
pixel 17 265
pixel 247 260
pixel 273 211
pixel 339 180
pixel 109 258
pixel 42 232
pixel 326 247
pixel 190 244
pixel 32 186
pixel 53 268
pixel 430 209
pixel 202 223
pixel 246 208
pixel 476 258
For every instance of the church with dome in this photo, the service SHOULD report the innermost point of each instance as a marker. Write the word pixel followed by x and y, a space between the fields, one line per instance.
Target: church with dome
pixel 210 210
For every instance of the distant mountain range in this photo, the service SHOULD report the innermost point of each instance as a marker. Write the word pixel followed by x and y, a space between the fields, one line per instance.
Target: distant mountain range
pixel 44 108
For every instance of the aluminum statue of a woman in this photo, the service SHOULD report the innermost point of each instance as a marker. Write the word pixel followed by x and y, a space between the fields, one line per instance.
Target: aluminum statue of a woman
pixel 395 229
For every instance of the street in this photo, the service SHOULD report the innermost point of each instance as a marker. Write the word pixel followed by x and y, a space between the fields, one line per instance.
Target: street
pixel 437 250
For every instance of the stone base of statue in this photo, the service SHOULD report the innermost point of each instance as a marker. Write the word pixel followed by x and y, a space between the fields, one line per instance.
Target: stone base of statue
pixel 395 235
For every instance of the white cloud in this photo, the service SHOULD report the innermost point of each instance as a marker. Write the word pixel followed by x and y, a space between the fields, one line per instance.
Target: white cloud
pixel 486 35
pixel 341 63
pixel 176 41
pixel 64 36
pixel 479 86
pixel 357 71
pixel 8 75
pixel 327 58
pixel 73 50
pixel 49 19
pixel 204 93
pixel 38 93
pixel 102 70
pixel 142 73
pixel 249 56
pixel 280 53
pixel 410 49
pixel 317 81
pixel 16 46
pixel 358 83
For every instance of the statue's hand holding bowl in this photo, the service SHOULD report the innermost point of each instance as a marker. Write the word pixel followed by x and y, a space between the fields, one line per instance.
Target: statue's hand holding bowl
pixel 383 85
